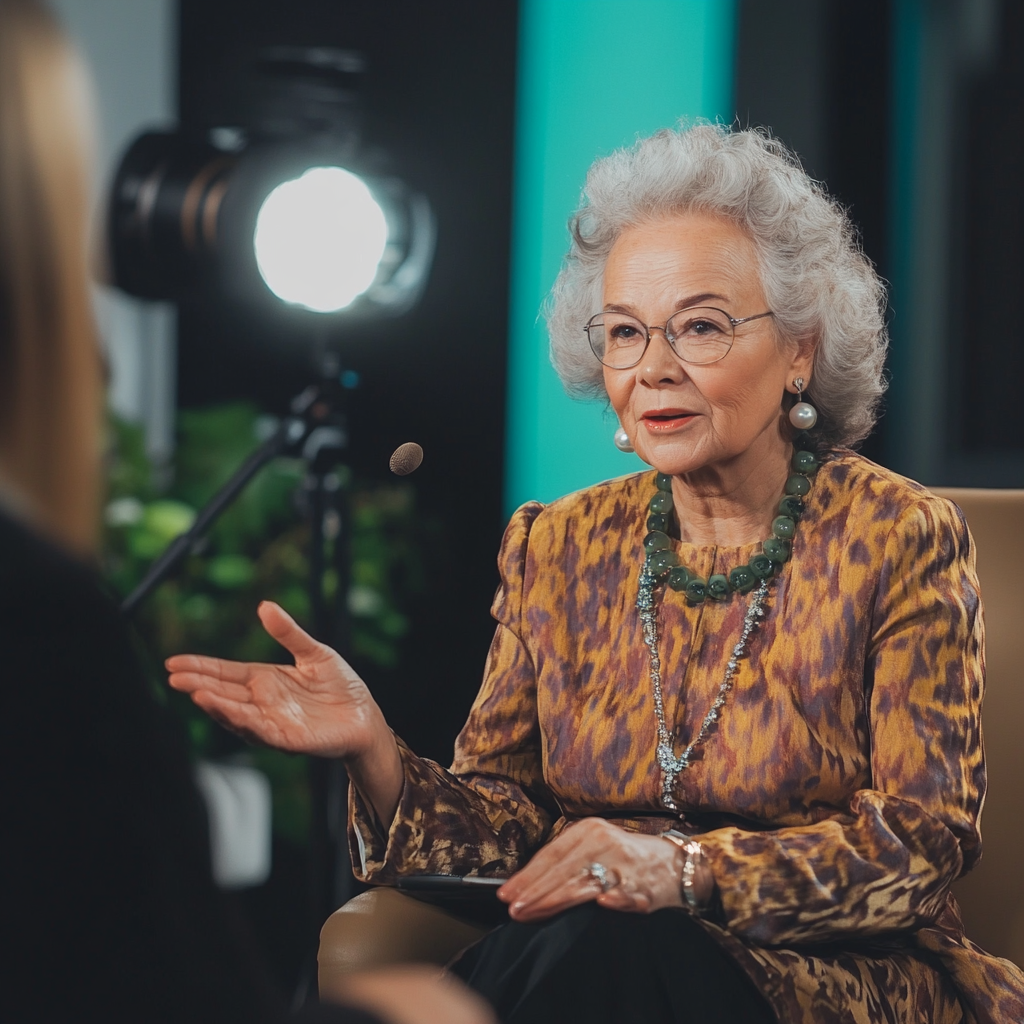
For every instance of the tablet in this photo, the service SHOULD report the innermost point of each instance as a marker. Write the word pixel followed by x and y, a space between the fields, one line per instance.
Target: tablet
pixel 451 885
pixel 467 896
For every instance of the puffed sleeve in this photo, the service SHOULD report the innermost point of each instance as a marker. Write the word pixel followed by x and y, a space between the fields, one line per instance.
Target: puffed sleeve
pixel 889 863
pixel 491 810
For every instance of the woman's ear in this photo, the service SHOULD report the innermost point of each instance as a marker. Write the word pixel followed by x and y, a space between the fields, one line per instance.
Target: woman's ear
pixel 803 359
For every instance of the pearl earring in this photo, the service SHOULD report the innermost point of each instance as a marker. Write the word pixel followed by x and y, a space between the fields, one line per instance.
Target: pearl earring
pixel 803 415
pixel 622 441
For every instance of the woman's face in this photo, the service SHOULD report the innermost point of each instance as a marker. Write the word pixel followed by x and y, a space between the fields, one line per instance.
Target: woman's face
pixel 683 418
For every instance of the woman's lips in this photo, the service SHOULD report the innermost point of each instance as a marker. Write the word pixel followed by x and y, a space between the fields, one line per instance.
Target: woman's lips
pixel 664 420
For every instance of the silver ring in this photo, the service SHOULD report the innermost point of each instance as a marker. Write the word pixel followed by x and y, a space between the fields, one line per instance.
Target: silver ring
pixel 599 873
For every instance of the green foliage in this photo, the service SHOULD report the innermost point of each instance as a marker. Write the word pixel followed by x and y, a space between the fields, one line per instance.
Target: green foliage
pixel 257 550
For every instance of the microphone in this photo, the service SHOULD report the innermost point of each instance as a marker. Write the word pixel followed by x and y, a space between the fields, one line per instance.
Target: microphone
pixel 406 459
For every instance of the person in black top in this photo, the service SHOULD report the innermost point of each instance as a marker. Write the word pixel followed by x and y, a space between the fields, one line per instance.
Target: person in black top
pixel 109 908
pixel 107 903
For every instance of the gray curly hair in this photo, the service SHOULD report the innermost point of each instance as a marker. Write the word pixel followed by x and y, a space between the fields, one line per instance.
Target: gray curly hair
pixel 815 276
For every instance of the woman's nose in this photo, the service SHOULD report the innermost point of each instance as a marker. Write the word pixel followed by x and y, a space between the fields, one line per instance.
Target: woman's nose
pixel 660 364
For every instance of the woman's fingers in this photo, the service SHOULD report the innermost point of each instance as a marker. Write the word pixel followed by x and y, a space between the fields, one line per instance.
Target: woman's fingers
pixel 215 668
pixel 287 632
pixel 188 669
pixel 192 672
pixel 560 859
pixel 194 682
pixel 557 877
pixel 580 889
pixel 622 899
pixel 595 860
pixel 317 706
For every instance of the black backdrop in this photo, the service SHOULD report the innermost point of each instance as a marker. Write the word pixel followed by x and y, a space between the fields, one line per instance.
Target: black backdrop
pixel 439 98
pixel 990 358
pixel 817 72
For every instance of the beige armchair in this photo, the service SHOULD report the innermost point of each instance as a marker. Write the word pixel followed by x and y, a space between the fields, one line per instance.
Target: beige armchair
pixel 383 926
pixel 992 895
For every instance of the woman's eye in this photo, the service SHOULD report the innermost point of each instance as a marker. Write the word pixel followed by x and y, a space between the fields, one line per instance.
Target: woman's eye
pixel 702 328
pixel 623 332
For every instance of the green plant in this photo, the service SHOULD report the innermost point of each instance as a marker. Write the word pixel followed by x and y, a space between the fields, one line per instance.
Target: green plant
pixel 256 550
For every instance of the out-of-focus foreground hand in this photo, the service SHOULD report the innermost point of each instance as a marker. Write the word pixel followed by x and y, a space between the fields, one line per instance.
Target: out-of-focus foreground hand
pixel 642 873
pixel 413 995
pixel 318 706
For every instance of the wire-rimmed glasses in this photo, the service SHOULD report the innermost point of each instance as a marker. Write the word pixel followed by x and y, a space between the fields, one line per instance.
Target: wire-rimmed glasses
pixel 698 335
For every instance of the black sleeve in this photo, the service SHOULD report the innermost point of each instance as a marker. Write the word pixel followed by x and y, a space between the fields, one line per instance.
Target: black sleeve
pixel 108 905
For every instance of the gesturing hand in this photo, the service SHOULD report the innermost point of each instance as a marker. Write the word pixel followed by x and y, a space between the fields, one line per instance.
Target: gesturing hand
pixel 642 873
pixel 318 706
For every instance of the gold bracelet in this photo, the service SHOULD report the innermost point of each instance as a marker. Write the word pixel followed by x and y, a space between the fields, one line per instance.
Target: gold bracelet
pixel 693 855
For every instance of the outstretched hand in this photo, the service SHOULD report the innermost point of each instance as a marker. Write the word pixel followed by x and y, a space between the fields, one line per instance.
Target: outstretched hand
pixel 318 706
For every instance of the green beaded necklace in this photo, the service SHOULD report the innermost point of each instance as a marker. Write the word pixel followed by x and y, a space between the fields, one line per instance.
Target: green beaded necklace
pixel 663 563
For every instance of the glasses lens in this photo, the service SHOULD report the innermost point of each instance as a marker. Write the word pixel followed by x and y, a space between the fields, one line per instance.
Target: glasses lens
pixel 618 340
pixel 700 335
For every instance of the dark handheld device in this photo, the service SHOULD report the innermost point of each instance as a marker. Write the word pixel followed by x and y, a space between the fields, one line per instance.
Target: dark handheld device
pixel 468 886
pixel 467 896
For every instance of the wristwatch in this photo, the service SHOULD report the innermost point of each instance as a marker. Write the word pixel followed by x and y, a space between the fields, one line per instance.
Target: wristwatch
pixel 693 856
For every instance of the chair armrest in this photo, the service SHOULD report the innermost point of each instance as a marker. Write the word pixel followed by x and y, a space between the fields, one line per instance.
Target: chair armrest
pixel 382 927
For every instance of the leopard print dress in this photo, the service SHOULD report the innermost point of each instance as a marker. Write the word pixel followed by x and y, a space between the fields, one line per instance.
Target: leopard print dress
pixel 837 797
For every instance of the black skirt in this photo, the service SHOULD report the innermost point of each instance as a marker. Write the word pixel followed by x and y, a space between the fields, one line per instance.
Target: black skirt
pixel 596 965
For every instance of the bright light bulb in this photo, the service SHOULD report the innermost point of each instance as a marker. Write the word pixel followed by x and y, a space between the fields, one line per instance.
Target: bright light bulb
pixel 319 239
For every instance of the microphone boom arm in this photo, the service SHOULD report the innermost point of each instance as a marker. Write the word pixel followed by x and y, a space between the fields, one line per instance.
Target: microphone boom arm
pixel 289 438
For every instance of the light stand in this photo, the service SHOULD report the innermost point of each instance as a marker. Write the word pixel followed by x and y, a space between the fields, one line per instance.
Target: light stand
pixel 315 431
pixel 185 219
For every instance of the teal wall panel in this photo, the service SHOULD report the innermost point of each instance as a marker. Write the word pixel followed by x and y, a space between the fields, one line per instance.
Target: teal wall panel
pixel 593 75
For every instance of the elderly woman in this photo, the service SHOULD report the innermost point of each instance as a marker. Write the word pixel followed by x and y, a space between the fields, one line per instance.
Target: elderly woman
pixel 728 748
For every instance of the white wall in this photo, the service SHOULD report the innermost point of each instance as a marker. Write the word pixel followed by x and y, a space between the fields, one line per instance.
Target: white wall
pixel 131 49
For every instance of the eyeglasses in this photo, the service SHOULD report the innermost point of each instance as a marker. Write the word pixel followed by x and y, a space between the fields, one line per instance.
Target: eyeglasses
pixel 699 335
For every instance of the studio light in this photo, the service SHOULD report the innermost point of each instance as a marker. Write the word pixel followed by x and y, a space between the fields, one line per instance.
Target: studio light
pixel 319 239
pixel 275 200
pixel 287 205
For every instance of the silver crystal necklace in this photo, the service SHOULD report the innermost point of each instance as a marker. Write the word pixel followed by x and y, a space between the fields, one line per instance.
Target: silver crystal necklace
pixel 662 565
pixel 672 764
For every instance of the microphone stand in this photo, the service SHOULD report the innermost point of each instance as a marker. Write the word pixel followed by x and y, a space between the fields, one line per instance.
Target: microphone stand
pixel 315 431
pixel 310 412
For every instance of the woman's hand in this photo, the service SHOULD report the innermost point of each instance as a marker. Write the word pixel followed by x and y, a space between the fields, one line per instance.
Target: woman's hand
pixel 317 706
pixel 643 873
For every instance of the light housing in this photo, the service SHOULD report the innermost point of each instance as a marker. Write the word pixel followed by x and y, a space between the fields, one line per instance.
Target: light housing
pixel 194 209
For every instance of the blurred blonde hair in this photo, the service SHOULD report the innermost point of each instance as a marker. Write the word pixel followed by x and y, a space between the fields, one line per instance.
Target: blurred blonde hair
pixel 50 367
